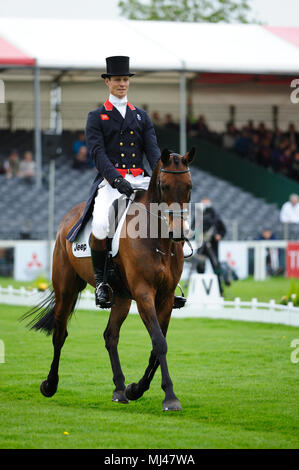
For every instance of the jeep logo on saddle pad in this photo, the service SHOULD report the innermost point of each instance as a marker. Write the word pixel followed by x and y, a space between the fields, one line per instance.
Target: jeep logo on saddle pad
pixel 80 247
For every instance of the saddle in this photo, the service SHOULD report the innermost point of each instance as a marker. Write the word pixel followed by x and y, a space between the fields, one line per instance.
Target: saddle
pixel 112 276
pixel 119 208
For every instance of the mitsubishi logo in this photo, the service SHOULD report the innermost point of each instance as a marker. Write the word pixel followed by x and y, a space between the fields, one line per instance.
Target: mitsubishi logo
pixel 34 262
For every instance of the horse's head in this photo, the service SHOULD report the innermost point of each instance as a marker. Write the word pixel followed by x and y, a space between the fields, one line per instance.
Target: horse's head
pixel 174 187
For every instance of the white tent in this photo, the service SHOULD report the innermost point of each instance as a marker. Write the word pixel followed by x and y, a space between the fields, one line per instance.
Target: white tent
pixel 60 45
pixel 152 45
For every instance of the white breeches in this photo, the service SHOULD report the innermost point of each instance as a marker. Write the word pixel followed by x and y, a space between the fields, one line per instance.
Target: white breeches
pixel 105 197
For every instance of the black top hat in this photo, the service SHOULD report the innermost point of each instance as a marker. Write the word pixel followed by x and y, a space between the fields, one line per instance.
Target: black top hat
pixel 117 65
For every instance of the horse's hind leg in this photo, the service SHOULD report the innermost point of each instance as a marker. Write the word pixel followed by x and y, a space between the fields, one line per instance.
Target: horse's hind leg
pixel 118 314
pixel 66 288
pixel 63 309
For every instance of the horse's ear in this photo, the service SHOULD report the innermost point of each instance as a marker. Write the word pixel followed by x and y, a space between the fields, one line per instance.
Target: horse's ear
pixel 165 156
pixel 190 155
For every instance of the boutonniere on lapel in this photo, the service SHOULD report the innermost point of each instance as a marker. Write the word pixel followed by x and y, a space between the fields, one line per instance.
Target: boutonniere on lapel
pixel 138 117
pixel 105 117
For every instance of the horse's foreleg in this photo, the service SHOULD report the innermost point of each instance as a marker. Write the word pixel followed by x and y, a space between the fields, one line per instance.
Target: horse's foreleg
pixel 118 314
pixel 171 402
pixel 157 330
pixel 136 390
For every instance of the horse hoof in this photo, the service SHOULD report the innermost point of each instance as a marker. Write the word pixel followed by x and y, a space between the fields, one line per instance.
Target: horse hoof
pixel 120 397
pixel 172 405
pixel 47 390
pixel 131 392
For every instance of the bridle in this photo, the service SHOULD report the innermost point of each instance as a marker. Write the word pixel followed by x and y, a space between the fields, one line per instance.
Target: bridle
pixel 174 212
pixel 179 212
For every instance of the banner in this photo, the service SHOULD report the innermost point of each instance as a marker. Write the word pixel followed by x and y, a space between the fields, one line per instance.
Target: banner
pixel 235 254
pixel 292 259
pixel 31 259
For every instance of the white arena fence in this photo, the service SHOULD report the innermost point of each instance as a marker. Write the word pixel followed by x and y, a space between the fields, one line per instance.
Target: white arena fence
pixel 252 311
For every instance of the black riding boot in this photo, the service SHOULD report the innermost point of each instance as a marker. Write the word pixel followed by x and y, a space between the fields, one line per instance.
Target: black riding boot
pixel 102 291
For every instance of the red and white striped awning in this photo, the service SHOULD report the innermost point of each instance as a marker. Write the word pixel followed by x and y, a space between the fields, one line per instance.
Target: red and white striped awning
pixel 11 55
pixel 289 34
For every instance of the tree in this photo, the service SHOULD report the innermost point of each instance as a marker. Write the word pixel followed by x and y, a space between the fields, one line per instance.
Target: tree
pixel 208 11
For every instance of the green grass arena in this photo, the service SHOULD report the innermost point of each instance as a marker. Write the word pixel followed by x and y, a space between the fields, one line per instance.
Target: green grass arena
pixel 235 380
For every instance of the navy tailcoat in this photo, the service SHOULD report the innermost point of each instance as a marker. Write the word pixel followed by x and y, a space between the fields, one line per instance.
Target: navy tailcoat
pixel 116 143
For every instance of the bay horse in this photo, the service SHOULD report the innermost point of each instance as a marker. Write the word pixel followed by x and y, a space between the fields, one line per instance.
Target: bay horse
pixel 150 269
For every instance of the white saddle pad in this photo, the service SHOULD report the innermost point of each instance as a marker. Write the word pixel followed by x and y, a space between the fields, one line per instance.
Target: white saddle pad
pixel 80 246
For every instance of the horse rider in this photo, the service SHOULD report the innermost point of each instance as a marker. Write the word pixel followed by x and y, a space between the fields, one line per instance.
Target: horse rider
pixel 118 134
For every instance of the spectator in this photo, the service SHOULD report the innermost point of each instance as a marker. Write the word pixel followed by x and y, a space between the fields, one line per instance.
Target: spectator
pixel 261 130
pixel 276 155
pixel 289 213
pixel 292 135
pixel 229 137
pixel 254 148
pixel 81 159
pixel 80 142
pixel 294 167
pixel 156 119
pixel 213 231
pixel 200 127
pixel 25 231
pixel 286 160
pixel 250 127
pixel 12 165
pixel 27 167
pixel 243 142
pixel 267 234
pixel 277 138
pixel 169 122
pixel 272 254
pixel 265 152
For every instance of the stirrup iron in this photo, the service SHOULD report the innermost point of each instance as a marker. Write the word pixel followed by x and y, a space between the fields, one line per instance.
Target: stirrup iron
pixel 179 300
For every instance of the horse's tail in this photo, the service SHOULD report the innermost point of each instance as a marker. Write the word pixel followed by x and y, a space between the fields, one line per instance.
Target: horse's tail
pixel 43 315
pixel 43 312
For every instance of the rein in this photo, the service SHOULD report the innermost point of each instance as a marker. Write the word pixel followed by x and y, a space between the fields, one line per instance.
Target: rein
pixel 172 254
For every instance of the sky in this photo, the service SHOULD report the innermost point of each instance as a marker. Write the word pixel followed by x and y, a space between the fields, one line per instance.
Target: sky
pixel 271 12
